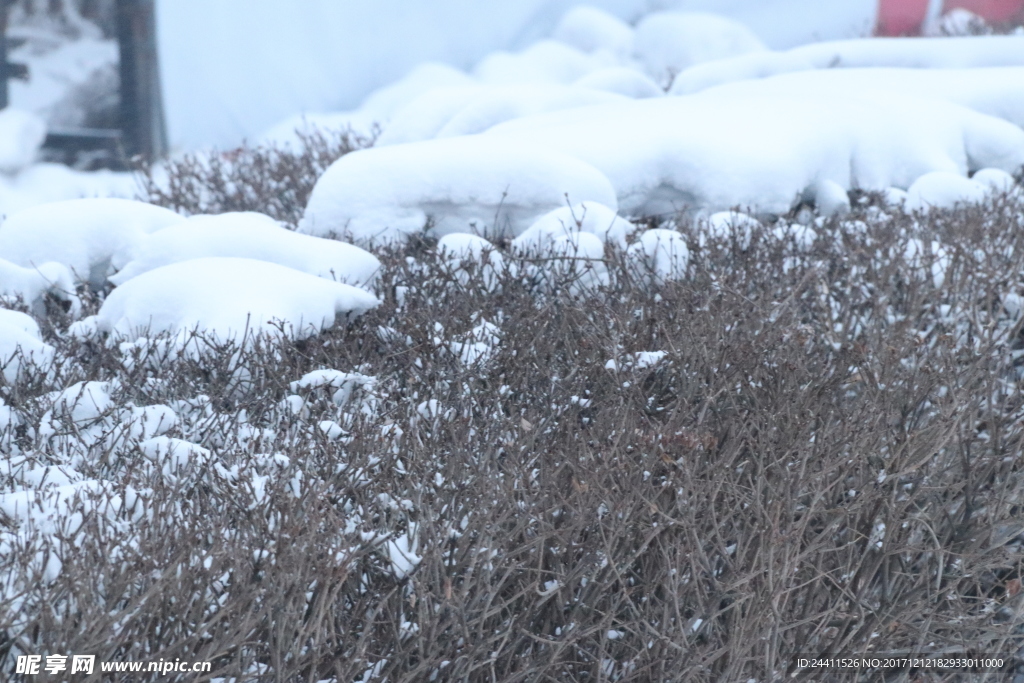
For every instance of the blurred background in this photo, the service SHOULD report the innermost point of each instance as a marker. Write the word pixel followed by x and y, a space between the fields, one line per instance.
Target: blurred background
pixel 227 71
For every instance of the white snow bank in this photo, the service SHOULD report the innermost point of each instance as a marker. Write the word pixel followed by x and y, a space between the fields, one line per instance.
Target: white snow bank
pixel 659 256
pixel 450 112
pixel 21 347
pixel 254 236
pixel 590 29
pixel 89 236
pixel 591 217
pixel 988 90
pixel 478 184
pixel 944 190
pixel 225 297
pixel 669 42
pixel 21 135
pixel 945 53
pixel 719 151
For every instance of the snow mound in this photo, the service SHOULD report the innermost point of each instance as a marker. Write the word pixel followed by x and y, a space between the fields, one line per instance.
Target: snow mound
pixel 21 347
pixel 573 262
pixel 829 197
pixel 21 135
pixel 377 109
pixel 589 29
pixel 934 53
pixel 996 180
pixel 225 298
pixel 32 285
pixel 623 81
pixel 477 184
pixel 89 236
pixel 944 190
pixel 669 42
pixel 719 151
pixel 253 236
pixel 462 249
pixel 546 61
pixel 450 112
pixel 590 217
pixel 984 89
pixel 659 256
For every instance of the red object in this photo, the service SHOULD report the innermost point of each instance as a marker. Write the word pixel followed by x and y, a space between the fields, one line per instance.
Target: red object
pixel 989 10
pixel 906 17
pixel 901 17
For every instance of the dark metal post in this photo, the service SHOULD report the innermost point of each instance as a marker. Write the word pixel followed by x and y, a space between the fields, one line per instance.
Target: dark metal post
pixel 4 96
pixel 142 112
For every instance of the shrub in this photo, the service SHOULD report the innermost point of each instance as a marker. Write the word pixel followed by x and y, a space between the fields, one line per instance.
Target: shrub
pixel 274 180
pixel 824 457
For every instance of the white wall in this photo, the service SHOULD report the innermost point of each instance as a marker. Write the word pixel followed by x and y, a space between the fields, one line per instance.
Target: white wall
pixel 233 68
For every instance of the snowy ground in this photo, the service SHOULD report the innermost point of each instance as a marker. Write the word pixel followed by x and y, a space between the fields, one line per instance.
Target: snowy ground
pixel 638 305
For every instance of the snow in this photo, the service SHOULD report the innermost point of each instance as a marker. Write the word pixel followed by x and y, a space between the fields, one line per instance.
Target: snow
pixel 21 135
pixel 478 184
pixel 227 297
pixel 829 197
pixel 729 225
pixel 546 61
pixel 462 249
pixel 621 80
pixel 944 190
pixel 330 55
pixel 479 346
pixel 721 151
pixel 659 256
pixel 31 285
pixel 379 107
pixel 21 347
pixel 983 89
pixel 670 42
pixel 995 180
pixel 174 455
pixel 590 29
pixel 89 236
pixel 45 182
pixel 463 111
pixel 344 383
pixel 591 217
pixel 935 53
pixel 253 236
